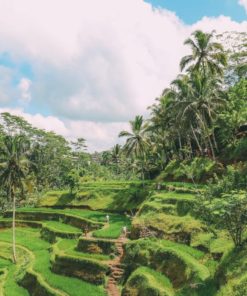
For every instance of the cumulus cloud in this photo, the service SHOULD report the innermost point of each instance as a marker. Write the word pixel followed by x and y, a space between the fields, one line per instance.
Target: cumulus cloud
pixel 95 64
pixel 24 87
pixel 100 136
pixel 48 123
pixel 107 55
pixel 243 3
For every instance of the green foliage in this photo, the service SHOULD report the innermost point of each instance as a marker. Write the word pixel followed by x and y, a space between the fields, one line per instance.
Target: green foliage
pixel 86 269
pixel 69 247
pixel 137 143
pixel 169 226
pixel 119 197
pixel 50 233
pixel 99 246
pixel 230 121
pixel 229 212
pixel 196 170
pixel 114 230
pixel 174 260
pixel 41 266
pixel 169 203
pixel 232 273
pixel 207 56
pixel 72 180
pixel 147 282
pixel 11 272
pixel 235 178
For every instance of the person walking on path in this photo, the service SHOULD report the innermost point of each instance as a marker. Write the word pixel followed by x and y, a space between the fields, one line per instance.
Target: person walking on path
pixel 125 231
pixel 86 231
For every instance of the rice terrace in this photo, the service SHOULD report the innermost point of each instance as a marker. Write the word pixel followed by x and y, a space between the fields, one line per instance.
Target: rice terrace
pixel 123 148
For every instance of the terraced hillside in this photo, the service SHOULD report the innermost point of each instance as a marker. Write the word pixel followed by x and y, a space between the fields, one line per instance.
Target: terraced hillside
pixel 52 258
pixel 74 251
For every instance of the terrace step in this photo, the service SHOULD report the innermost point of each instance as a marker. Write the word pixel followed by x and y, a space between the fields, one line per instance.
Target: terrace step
pixel 116 269
pixel 146 232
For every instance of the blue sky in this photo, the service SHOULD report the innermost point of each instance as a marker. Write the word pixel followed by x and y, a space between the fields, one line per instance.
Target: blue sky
pixel 191 11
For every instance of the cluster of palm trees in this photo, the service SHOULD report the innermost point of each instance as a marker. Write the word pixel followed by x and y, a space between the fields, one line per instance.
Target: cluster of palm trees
pixel 183 120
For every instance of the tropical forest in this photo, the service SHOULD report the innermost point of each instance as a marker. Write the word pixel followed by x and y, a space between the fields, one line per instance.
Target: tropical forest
pixel 161 213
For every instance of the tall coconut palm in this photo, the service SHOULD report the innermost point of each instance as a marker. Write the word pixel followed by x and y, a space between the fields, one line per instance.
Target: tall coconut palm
pixel 137 143
pixel 182 91
pixel 200 106
pixel 207 55
pixel 14 167
pixel 116 154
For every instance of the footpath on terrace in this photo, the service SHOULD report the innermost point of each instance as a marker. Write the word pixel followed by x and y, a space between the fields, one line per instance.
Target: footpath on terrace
pixel 116 266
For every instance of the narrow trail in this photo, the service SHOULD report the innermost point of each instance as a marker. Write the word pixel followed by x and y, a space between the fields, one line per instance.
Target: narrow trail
pixel 115 264
pixel 116 268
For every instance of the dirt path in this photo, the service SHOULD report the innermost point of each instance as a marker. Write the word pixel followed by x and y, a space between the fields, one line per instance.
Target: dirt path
pixel 115 264
pixel 116 269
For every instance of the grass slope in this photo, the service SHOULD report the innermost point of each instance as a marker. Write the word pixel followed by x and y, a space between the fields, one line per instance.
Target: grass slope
pixel 113 230
pixel 112 196
pixel 145 281
pixel 42 265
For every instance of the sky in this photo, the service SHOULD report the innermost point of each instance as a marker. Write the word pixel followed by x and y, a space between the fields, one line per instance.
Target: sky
pixel 190 11
pixel 85 68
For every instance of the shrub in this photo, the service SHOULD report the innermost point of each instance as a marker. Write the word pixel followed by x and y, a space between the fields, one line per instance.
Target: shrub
pixel 228 212
pixel 233 179
pixel 199 169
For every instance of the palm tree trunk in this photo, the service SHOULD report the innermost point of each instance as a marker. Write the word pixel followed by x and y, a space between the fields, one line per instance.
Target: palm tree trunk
pixel 142 175
pixel 211 147
pixel 190 146
pixel 13 228
pixel 180 146
pixel 196 139
pixel 215 142
pixel 209 140
pixel 208 136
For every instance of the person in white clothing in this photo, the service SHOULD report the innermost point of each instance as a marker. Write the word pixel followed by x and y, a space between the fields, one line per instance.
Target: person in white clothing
pixel 125 231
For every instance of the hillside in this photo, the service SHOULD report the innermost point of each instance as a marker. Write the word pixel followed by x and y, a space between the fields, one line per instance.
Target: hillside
pixel 168 251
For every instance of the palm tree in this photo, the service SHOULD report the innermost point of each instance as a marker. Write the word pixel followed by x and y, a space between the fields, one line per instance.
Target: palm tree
pixel 207 55
pixel 136 143
pixel 116 154
pixel 182 91
pixel 198 109
pixel 14 166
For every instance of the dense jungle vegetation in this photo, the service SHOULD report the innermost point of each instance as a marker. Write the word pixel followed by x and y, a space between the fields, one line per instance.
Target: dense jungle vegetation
pixel 163 214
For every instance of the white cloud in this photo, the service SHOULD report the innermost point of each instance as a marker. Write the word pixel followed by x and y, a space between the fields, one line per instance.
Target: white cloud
pixel 95 64
pixel 100 136
pixel 102 64
pixel 221 24
pixel 243 3
pixel 48 123
pixel 24 87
